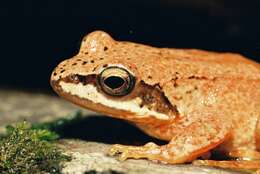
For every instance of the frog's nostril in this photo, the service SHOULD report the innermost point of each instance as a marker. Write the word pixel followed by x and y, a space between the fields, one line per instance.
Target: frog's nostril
pixel 105 48
pixel 77 78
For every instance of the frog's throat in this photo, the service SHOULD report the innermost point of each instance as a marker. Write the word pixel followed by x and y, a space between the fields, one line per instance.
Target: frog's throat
pixel 88 96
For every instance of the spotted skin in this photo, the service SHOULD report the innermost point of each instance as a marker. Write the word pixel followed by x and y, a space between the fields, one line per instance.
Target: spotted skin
pixel 199 101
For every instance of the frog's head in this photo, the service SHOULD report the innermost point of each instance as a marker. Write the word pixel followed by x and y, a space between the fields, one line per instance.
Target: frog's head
pixel 107 76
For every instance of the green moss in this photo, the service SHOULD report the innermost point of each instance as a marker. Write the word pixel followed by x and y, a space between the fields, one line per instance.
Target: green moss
pixel 58 125
pixel 26 150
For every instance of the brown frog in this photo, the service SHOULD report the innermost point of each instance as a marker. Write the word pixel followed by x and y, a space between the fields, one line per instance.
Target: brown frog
pixel 199 101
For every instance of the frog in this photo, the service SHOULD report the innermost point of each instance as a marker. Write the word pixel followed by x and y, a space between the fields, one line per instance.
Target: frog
pixel 200 102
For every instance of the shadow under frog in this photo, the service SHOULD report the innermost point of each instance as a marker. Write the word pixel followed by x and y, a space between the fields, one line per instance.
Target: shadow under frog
pixel 106 130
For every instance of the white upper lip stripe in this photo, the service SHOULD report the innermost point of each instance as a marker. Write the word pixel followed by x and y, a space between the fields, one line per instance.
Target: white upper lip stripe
pixel 91 93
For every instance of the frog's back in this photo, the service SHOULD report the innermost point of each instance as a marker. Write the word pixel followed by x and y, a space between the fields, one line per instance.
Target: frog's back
pixel 226 84
pixel 184 63
pixel 216 64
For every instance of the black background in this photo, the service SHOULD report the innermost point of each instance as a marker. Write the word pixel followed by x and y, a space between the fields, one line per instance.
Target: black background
pixel 36 35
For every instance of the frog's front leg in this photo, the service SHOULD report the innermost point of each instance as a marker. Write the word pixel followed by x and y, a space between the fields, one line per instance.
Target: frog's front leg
pixel 189 143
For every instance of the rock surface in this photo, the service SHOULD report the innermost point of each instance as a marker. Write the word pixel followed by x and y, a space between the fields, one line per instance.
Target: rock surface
pixel 89 156
pixel 89 153
pixel 34 107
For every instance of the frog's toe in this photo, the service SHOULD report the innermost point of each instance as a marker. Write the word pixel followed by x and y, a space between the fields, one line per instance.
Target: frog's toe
pixel 120 150
pixel 114 150
pixel 123 156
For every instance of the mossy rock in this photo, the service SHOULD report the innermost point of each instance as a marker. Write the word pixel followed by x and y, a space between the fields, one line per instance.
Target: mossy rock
pixel 94 136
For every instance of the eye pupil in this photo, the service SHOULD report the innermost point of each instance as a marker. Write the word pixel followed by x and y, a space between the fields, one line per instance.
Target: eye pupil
pixel 114 82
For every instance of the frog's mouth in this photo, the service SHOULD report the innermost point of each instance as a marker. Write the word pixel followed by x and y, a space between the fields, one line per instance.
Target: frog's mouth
pixel 87 94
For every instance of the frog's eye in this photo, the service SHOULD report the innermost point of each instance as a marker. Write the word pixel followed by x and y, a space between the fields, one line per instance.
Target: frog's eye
pixel 116 81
